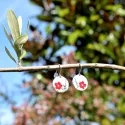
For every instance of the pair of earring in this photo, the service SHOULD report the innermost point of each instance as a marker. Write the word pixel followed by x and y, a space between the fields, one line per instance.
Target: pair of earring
pixel 61 84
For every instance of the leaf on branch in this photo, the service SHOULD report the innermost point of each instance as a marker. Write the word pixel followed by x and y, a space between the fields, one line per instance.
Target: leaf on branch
pixel 28 25
pixel 8 36
pixel 23 54
pixel 20 24
pixel 18 49
pixel 45 18
pixel 9 54
pixel 13 24
pixel 21 40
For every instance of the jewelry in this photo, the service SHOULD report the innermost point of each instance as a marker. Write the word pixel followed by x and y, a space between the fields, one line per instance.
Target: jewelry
pixel 79 81
pixel 60 83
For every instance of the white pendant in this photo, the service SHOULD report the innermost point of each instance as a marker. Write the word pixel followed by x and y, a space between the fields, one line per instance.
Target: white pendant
pixel 80 82
pixel 60 84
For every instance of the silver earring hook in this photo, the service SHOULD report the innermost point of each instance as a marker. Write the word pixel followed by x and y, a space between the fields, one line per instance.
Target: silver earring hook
pixel 56 73
pixel 73 74
pixel 60 70
pixel 80 68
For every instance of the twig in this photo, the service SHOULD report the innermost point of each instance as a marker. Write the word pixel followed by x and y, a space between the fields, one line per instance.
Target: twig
pixel 66 66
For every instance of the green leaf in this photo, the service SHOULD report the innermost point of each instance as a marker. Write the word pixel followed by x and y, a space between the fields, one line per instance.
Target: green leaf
pixel 62 12
pixel 44 18
pixel 9 54
pixel 113 8
pixel 82 21
pixel 94 17
pixel 8 36
pixel 23 54
pixel 20 24
pixel 102 37
pixel 21 40
pixel 72 37
pixel 63 21
pixel 13 24
pixel 48 29
pixel 121 12
pixel 64 32
pixel 28 25
pixel 113 77
pixel 18 49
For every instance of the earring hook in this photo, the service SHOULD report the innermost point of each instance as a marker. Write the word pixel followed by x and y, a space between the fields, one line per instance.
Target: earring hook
pixel 73 74
pixel 56 73
pixel 60 70
pixel 80 68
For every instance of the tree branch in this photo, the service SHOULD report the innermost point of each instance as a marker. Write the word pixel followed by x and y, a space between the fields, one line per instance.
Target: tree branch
pixel 66 66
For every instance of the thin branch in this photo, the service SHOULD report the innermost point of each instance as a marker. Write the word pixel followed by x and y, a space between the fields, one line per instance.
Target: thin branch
pixel 66 66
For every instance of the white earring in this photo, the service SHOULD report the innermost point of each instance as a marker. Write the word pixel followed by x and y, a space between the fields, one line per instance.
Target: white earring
pixel 80 82
pixel 60 83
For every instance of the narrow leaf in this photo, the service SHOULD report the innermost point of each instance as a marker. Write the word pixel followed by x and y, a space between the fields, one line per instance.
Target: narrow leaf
pixel 21 40
pixel 28 25
pixel 18 49
pixel 9 54
pixel 20 24
pixel 13 24
pixel 23 54
pixel 8 36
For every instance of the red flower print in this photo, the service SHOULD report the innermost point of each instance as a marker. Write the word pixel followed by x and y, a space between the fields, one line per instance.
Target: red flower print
pixel 58 85
pixel 82 85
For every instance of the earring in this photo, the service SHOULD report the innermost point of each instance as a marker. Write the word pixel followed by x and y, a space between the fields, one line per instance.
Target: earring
pixel 79 81
pixel 60 83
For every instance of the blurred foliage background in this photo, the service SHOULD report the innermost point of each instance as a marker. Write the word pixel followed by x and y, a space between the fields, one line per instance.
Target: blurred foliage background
pixel 96 31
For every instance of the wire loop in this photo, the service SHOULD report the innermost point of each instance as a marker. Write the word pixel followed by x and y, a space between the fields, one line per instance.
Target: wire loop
pixel 60 70
pixel 80 68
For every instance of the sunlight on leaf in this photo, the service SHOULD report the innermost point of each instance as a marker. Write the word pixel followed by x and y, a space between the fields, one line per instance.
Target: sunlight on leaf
pixel 9 54
pixel 23 54
pixel 20 24
pixel 8 36
pixel 13 24
pixel 28 25
pixel 21 40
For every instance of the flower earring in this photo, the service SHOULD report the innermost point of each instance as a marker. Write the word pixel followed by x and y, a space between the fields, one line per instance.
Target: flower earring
pixel 79 81
pixel 60 83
